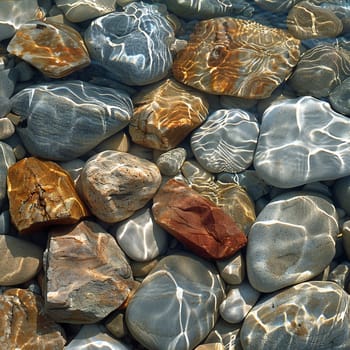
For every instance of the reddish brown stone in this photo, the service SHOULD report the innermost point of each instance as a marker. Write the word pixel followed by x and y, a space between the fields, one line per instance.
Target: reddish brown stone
pixel 41 193
pixel 24 325
pixel 196 222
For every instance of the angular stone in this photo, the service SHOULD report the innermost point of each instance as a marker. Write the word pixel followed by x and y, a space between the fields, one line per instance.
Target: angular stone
pixel 229 56
pixel 311 315
pixel 91 113
pixel 306 20
pixel 40 194
pixel 24 324
pixel 7 159
pixel 170 162
pixel 320 69
pixel 140 237
pixel 7 129
pixel 232 270
pixel 55 49
pixel 176 305
pixel 87 274
pixel 226 141
pixel 302 141
pixel 20 260
pixel 211 233
pixel 291 241
pixel 339 97
pixel 115 184
pixel 79 11
pixel 133 45
pixel 164 114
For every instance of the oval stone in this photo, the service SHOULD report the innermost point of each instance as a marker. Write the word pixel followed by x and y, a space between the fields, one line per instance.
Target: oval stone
pixel 311 315
pixel 134 45
pixel 115 184
pixel 229 56
pixel 339 97
pixel 176 305
pixel 291 241
pixel 90 113
pixel 226 141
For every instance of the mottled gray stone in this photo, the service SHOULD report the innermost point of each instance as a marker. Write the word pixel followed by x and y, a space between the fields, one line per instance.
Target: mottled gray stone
pixel 176 305
pixel 134 45
pixel 140 237
pixel 8 78
pixel 311 315
pixel 341 274
pixel 339 97
pixel 291 241
pixel 170 162
pixel 5 106
pixel 115 184
pixel 239 300
pixel 63 120
pixel 232 270
pixel 301 141
pixel 226 141
pixel 5 222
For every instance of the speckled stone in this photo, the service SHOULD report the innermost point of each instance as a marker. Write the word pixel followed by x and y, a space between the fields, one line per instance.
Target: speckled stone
pixel 24 323
pixel 170 162
pixel 339 97
pixel 291 241
pixel 134 45
pixel 15 13
pixel 299 318
pixel 229 56
pixel 140 237
pixel 164 114
pixel 202 9
pixel 55 49
pixel 7 159
pixel 226 141
pixel 79 11
pixel 306 20
pixel 320 69
pixel 302 141
pixel 91 113
pixel 115 184
pixel 20 260
pixel 176 305
pixel 87 274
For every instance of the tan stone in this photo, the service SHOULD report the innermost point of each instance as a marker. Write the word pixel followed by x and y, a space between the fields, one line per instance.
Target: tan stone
pixel 55 49
pixel 41 193
pixel 20 260
pixel 24 324
pixel 196 222
pixel 87 274
pixel 118 142
pixel 165 113
pixel 211 346
pixel 142 269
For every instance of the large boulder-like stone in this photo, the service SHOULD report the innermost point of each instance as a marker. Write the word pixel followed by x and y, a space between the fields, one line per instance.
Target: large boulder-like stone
pixel 196 222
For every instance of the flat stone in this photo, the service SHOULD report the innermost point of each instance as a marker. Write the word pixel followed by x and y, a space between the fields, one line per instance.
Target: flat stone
pixel 115 184
pixel 232 270
pixel 331 64
pixel 40 194
pixel 297 138
pixel 24 324
pixel 79 11
pixel 291 241
pixel 306 20
pixel 310 315
pixel 170 162
pixel 55 49
pixel 140 237
pixel 222 54
pixel 212 233
pixel 90 112
pixel 238 302
pixel 165 113
pixel 21 260
pixel 176 305
pixel 7 159
pixel 134 45
pixel 339 97
pixel 226 141
pixel 87 274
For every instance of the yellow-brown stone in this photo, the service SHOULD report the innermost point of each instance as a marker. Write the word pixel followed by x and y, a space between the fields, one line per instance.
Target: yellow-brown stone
pixel 165 113
pixel 54 48
pixel 41 193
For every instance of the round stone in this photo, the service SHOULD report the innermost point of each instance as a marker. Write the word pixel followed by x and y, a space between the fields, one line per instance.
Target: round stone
pixel 226 141
pixel 291 241
pixel 176 305
pixel 311 315
pixel 7 129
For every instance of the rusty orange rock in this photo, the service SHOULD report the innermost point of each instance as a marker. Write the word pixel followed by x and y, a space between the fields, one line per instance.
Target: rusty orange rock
pixel 41 193
pixel 196 222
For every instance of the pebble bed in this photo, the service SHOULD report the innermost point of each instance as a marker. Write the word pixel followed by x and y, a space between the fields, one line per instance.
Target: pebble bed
pixel 175 175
